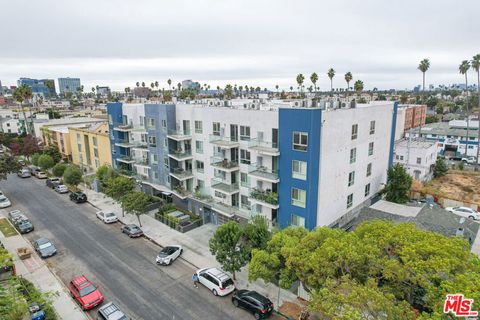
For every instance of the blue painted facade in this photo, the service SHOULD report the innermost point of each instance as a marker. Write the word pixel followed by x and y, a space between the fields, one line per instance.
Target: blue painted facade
pixel 115 118
pixel 392 134
pixel 302 120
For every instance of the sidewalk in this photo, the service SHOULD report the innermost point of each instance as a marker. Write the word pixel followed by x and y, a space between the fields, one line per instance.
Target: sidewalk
pixel 36 271
pixel 195 245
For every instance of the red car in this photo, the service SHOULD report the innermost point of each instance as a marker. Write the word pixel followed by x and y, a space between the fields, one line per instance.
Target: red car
pixel 85 292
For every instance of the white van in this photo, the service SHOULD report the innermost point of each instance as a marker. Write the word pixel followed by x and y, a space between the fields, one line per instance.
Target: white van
pixel 216 281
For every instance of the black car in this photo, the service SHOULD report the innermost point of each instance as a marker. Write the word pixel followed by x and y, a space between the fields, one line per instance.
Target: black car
pixel 53 182
pixel 132 230
pixel 252 301
pixel 78 197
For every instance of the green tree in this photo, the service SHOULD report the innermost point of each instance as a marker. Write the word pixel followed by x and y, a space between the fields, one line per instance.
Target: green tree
pixel 256 232
pixel 104 174
pixel 430 119
pixel 423 67
pixel 45 162
pixel 22 94
pixel 358 86
pixel 228 91
pixel 463 69
pixel 169 81
pixel 72 175
pixel 313 78
pixel 398 185
pixel 52 151
pixel 8 164
pixel 118 187
pixel 404 98
pixel 228 247
pixel 135 203
pixel 34 159
pixel 59 169
pixel 331 74
pixel 300 79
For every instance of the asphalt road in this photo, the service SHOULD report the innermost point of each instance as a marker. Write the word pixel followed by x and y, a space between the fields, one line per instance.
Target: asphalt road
pixel 124 268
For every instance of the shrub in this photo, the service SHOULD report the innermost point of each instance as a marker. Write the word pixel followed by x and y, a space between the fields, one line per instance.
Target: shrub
pixel 59 169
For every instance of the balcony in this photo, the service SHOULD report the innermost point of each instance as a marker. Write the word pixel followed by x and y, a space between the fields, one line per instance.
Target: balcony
pixel 263 173
pixel 263 147
pixel 223 186
pixel 140 129
pixel 124 143
pixel 123 128
pixel 179 135
pixel 180 155
pixel 125 159
pixel 224 164
pixel 181 192
pixel 142 162
pixel 265 198
pixel 223 142
pixel 181 174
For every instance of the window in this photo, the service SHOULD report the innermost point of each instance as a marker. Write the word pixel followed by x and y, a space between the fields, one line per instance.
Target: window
pixel 419 160
pixel 95 152
pixel 244 156
pixel 199 165
pixel 353 155
pixel 354 131
pixel 370 148
pixel 401 158
pixel 244 133
pixel 94 139
pixel 369 170
pixel 78 136
pixel 152 141
pixel 198 127
pixel 165 143
pixel 367 190
pixel 79 146
pixel 372 127
pixel 164 123
pixel 142 120
pixel 97 163
pixel 155 175
pixel 300 141
pixel 200 184
pixel 299 197
pixel 154 158
pixel 299 170
pixel 216 128
pixel 110 121
pixel 199 146
pixel 351 178
pixel 349 200
pixel 244 181
pixel 151 122
pixel 166 162
pixel 244 201
pixel 298 221
pixel 220 195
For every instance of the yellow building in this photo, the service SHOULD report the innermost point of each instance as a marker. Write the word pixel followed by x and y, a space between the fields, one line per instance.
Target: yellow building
pixel 58 136
pixel 90 146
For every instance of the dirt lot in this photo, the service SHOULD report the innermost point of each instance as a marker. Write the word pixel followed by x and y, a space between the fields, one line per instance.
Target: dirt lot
pixel 456 185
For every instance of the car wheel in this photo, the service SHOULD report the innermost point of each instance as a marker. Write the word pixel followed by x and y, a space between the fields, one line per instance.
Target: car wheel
pixel 257 315
pixel 471 217
pixel 215 293
pixel 235 303
pixel 181 251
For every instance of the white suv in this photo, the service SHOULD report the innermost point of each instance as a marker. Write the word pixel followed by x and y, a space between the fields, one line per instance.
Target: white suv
pixel 216 281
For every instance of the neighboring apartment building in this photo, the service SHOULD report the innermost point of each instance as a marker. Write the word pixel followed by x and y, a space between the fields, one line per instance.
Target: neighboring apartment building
pixel 417 156
pixel 68 84
pixel 90 146
pixel 231 160
pixel 452 137
pixel 45 87
pixel 409 117
pixel 103 91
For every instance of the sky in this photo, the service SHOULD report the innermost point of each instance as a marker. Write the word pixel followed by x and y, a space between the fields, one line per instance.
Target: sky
pixel 245 42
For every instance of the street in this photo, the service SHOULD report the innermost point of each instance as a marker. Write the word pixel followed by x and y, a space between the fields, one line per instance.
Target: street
pixel 124 268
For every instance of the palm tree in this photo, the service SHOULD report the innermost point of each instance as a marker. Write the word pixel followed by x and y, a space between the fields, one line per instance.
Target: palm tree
pixel 276 87
pixel 476 67
pixel 300 79
pixel 314 79
pixel 152 85
pixel 424 66
pixel 138 84
pixel 358 86
pixel 348 78
pixel 21 94
pixel 463 69
pixel 169 81
pixel 143 84
pixel 156 84
pixel 331 74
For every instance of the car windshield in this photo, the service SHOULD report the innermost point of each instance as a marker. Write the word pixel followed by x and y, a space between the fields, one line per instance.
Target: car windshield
pixel 87 290
pixel 3 199
pixel 44 245
pixel 227 283
pixel 109 214
pixel 135 229
pixel 24 223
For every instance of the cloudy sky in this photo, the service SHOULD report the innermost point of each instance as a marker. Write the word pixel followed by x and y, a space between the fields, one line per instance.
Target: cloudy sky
pixel 254 42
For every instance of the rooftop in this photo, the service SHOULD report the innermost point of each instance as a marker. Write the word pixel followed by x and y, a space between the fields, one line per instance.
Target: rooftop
pixel 444 129
pixel 418 144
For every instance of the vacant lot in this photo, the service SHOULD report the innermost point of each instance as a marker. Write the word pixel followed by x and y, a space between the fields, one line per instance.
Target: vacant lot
pixel 456 185
pixel 6 228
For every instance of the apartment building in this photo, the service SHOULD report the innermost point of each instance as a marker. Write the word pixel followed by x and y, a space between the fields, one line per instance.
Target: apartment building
pixel 409 117
pixel 417 156
pixel 231 160
pixel 90 146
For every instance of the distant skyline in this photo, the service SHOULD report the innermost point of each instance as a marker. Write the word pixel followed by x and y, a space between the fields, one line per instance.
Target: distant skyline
pixel 259 43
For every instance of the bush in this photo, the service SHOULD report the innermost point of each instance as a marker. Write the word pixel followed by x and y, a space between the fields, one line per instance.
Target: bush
pixel 32 294
pixel 45 162
pixel 72 175
pixel 34 159
pixel 59 169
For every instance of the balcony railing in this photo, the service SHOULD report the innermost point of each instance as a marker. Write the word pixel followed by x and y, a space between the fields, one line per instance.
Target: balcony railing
pixel 181 174
pixel 179 134
pixel 264 196
pixel 126 159
pixel 123 127
pixel 263 173
pixel 180 154
pixel 222 185
pixel 264 147
pixel 130 144
pixel 223 141
pixel 142 162
pixel 224 163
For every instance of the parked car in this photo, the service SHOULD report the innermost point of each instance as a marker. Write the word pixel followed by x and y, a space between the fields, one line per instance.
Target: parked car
pixel 24 225
pixel 44 247
pixel 53 182
pixel 252 301
pixel 132 230
pixel 85 292
pixel 4 202
pixel 470 160
pixel 169 254
pixel 216 281
pixel 15 215
pixel 34 170
pixel 110 311
pixel 107 216
pixel 24 173
pixel 61 188
pixel 78 197
pixel 41 175
pixel 464 212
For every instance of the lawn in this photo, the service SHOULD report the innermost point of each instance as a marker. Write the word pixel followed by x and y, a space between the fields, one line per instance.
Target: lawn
pixel 6 228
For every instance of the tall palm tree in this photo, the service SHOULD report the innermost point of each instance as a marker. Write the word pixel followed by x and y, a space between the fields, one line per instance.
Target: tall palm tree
pixel 169 81
pixel 276 87
pixel 143 84
pixel 424 66
pixel 300 79
pixel 463 69
pixel 348 78
pixel 156 84
pixel 331 74
pixel 476 67
pixel 358 86
pixel 21 94
pixel 314 79
pixel 137 84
